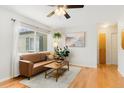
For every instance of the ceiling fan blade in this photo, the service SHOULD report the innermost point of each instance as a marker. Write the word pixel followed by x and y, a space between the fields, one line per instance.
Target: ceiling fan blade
pixel 67 15
pixel 75 6
pixel 52 13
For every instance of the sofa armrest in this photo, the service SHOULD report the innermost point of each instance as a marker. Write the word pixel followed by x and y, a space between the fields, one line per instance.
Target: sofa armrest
pixel 26 61
pixel 25 67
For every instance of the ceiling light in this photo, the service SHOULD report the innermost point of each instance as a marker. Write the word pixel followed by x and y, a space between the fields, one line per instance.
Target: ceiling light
pixel 60 11
pixel 105 25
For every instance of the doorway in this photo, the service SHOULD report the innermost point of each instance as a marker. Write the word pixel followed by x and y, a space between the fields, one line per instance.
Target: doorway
pixel 107 44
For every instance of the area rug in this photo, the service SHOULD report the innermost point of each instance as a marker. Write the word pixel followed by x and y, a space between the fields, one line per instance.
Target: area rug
pixel 40 81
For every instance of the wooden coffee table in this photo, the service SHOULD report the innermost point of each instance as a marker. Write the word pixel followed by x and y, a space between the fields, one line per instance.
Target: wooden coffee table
pixel 56 66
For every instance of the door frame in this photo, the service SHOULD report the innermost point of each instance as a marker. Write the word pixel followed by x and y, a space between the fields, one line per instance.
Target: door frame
pixel 106 47
pixel 117 46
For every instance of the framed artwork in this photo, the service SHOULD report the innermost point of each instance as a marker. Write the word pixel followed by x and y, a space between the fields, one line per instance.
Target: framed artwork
pixel 75 39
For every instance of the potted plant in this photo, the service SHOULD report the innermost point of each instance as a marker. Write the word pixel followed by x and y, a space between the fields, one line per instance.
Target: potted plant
pixel 57 35
pixel 62 53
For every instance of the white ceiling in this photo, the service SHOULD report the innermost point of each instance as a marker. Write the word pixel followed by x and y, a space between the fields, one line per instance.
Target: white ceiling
pixel 79 17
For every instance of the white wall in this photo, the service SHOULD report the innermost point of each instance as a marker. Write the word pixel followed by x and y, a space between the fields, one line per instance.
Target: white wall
pixel 85 56
pixel 6 40
pixel 49 42
pixel 120 50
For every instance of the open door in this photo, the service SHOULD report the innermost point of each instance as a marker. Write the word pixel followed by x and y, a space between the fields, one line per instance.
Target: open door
pixel 102 48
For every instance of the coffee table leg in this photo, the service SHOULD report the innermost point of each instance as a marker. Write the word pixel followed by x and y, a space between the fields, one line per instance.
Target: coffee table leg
pixel 68 66
pixel 45 74
pixel 57 72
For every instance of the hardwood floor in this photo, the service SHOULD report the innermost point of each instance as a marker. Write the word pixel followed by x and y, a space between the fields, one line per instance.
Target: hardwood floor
pixel 13 83
pixel 105 76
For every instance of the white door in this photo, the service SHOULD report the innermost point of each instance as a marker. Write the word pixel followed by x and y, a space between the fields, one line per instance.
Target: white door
pixel 114 48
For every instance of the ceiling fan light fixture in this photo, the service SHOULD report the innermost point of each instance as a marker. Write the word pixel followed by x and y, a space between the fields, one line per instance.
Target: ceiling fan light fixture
pixel 60 11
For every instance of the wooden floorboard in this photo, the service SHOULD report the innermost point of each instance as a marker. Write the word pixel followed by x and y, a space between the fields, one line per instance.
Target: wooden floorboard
pixel 13 83
pixel 104 76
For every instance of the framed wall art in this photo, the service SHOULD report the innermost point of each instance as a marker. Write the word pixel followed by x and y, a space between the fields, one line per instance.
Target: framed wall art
pixel 75 39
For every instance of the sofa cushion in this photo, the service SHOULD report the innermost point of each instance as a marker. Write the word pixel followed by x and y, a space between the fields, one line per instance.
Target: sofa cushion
pixel 41 64
pixel 35 57
pixel 50 57
pixel 43 57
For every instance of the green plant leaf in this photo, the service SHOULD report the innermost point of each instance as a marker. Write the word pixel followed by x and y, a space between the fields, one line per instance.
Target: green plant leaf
pixel 57 35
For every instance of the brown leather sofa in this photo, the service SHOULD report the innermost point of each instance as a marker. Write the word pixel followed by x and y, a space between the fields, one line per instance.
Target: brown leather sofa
pixel 32 64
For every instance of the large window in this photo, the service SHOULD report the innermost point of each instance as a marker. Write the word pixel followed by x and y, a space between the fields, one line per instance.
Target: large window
pixel 31 41
pixel 29 44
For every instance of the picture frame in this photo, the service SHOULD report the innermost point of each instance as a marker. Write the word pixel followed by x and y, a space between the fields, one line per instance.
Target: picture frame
pixel 75 39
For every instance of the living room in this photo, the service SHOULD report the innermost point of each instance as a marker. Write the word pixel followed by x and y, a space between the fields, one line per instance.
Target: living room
pixel 28 32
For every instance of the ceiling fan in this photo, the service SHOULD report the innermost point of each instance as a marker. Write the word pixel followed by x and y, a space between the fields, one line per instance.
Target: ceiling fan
pixel 61 10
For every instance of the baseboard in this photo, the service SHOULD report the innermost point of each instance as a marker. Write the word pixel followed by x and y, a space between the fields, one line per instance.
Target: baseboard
pixel 7 78
pixel 121 72
pixel 4 79
pixel 83 66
